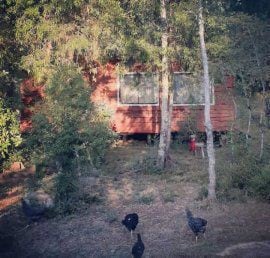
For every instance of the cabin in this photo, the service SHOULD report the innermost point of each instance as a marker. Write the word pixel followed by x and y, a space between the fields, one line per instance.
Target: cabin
pixel 133 101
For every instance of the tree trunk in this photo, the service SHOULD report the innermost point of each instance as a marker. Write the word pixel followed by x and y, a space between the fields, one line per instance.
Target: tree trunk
pixel 232 128
pixel 262 113
pixel 249 121
pixel 208 124
pixel 165 117
pixel 262 131
pixel 169 122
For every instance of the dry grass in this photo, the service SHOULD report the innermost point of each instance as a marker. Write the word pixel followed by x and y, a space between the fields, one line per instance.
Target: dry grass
pixel 160 201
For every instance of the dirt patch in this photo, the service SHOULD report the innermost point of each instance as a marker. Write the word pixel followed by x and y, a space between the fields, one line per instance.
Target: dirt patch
pixel 12 185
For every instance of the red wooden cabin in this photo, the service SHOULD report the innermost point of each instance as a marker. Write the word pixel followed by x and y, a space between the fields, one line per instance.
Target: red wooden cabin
pixel 130 118
pixel 142 116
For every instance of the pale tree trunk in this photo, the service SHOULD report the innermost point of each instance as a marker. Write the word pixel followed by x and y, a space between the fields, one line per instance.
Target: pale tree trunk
pixel 249 120
pixel 232 127
pixel 165 117
pixel 171 93
pixel 262 113
pixel 169 122
pixel 208 124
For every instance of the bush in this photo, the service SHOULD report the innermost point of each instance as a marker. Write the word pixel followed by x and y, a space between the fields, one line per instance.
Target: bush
pixel 245 176
pixel 147 164
pixel 10 137
pixel 146 199
pixel 203 193
pixel 260 184
pixel 66 187
pixel 68 134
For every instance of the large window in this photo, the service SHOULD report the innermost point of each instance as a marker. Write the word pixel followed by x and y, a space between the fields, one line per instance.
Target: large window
pixel 188 90
pixel 138 89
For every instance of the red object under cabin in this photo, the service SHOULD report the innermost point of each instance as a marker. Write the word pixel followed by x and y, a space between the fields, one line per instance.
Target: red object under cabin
pixel 142 118
pixel 192 145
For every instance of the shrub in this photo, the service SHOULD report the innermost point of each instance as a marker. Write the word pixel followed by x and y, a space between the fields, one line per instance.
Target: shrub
pixel 260 184
pixel 68 134
pixel 10 137
pixel 66 192
pixel 169 195
pixel 203 193
pixel 146 199
pixel 245 176
pixel 147 164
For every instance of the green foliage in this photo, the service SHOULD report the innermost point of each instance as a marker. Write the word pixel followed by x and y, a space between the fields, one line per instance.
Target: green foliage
pixel 68 135
pixel 169 195
pixel 146 199
pixel 260 183
pixel 67 126
pixel 10 52
pixel 245 176
pixel 10 137
pixel 147 164
pixel 247 55
pixel 65 192
pixel 203 193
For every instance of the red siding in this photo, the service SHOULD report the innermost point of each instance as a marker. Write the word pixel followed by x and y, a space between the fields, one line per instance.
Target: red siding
pixel 146 119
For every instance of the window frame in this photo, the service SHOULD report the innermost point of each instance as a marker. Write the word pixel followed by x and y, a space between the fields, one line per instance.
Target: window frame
pixel 119 103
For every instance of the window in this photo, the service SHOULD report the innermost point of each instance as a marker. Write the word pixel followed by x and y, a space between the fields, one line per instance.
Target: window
pixel 188 90
pixel 138 89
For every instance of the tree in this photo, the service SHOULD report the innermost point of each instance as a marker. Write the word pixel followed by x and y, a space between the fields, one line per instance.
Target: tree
pixel 208 124
pixel 10 74
pixel 247 60
pixel 67 125
pixel 165 127
pixel 68 136
pixel 10 137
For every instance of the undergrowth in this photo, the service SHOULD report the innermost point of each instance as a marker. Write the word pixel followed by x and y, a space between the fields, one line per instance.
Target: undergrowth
pixel 243 176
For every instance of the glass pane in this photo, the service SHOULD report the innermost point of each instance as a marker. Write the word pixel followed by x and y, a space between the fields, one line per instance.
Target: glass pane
pixel 188 89
pixel 139 89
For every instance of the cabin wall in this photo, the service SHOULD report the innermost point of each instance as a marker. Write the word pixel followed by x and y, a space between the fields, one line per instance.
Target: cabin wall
pixel 146 119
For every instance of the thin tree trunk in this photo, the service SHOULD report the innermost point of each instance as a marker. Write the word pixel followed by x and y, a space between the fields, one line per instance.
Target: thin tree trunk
pixel 165 118
pixel 170 121
pixel 262 113
pixel 249 121
pixel 232 128
pixel 262 134
pixel 208 124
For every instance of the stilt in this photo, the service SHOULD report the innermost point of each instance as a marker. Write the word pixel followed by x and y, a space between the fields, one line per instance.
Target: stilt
pixel 124 137
pixel 149 139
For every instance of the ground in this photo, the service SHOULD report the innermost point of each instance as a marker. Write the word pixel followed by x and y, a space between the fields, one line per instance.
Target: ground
pixel 236 229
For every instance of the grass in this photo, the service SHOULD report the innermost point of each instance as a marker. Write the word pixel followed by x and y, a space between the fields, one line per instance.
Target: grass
pixel 146 199
pixel 111 217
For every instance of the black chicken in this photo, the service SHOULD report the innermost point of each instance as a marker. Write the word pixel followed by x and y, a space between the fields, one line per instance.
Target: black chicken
pixel 197 225
pixel 33 213
pixel 138 248
pixel 131 221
